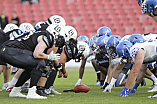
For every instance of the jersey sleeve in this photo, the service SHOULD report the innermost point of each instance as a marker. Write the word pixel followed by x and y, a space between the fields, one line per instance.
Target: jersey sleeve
pixel 133 52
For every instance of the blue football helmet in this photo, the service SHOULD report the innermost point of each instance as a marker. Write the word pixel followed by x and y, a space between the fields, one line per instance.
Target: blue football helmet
pixel 101 41
pixel 113 41
pixel 84 38
pixel 151 4
pixel 93 42
pixel 136 38
pixel 104 31
pixel 123 48
pixel 140 2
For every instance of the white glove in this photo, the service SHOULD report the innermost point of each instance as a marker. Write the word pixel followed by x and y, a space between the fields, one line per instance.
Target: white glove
pixel 116 61
pixel 108 88
pixel 53 57
pixel 78 82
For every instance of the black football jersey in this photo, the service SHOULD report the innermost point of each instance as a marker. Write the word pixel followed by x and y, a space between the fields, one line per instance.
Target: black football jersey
pixel 29 41
pixel 7 36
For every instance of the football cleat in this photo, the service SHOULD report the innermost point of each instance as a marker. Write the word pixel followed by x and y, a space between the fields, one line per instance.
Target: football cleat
pixel 25 88
pixel 16 92
pixel 5 85
pixel 53 91
pixel 9 88
pixel 151 87
pixel 33 95
pixel 153 90
pixel 133 90
pixel 97 84
pixel 154 96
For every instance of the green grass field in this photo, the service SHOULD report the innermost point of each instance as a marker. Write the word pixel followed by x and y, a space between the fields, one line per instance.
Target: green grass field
pixel 94 96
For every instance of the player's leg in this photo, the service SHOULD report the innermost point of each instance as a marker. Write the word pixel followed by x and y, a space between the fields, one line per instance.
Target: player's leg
pixel 97 72
pixel 50 82
pixel 6 75
pixel 14 80
pixel 139 78
pixel 23 58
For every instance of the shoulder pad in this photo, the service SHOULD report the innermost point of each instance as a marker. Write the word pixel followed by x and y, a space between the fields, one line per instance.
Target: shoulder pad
pixel 68 51
pixel 45 39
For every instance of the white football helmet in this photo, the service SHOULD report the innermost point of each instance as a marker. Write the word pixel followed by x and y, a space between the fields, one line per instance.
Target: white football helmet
pixel 56 19
pixel 83 49
pixel 26 27
pixel 126 37
pixel 70 33
pixel 56 30
pixel 10 27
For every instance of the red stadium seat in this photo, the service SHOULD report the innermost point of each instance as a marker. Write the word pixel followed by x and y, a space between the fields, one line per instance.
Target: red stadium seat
pixel 123 17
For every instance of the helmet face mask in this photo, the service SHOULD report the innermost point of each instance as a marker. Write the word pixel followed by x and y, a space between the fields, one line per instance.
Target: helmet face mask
pixel 123 48
pixel 56 30
pixel 83 49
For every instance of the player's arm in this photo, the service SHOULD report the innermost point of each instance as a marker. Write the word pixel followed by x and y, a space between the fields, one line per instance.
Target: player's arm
pixel 81 69
pixel 39 49
pixel 110 70
pixel 135 69
pixel 62 60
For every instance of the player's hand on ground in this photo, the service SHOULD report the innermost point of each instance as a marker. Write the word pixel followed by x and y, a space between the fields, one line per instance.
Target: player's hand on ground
pixel 108 88
pixel 125 92
pixel 60 74
pixel 78 82
pixel 65 75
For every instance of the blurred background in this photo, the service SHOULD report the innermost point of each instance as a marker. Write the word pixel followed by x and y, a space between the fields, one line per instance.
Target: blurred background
pixel 122 16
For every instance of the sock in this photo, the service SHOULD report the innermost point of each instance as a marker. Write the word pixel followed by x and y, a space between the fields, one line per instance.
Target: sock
pixel 51 79
pixel 13 81
pixel 35 76
pixel 23 78
pixel 135 86
pixel 98 75
pixel 5 84
pixel 101 82
pixel 119 79
pixel 154 79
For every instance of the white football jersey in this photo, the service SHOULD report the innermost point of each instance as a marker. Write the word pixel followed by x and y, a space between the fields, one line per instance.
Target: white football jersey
pixel 150 49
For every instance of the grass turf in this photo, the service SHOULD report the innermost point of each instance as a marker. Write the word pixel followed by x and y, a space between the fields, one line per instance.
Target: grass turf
pixel 94 96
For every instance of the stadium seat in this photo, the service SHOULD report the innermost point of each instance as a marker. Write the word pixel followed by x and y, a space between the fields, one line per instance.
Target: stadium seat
pixel 148 29
pixel 118 15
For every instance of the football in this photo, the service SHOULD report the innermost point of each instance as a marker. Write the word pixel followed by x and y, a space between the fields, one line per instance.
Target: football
pixel 81 88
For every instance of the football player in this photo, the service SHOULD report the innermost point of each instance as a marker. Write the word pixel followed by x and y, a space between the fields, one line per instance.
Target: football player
pixel 149 7
pixel 10 32
pixel 31 49
pixel 138 54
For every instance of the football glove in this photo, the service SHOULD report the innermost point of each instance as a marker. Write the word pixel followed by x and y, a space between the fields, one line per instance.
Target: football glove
pixel 108 88
pixel 53 57
pixel 125 92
